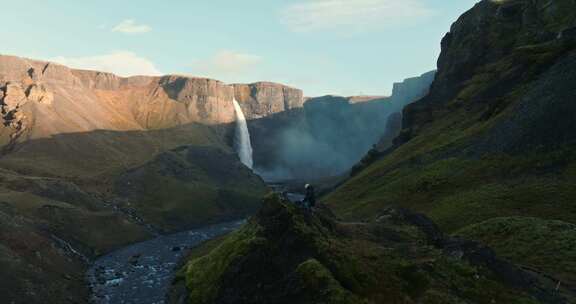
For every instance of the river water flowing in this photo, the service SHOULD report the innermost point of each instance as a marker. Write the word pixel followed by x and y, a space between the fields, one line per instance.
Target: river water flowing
pixel 142 273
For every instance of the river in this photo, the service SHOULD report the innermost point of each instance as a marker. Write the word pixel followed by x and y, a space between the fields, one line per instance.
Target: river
pixel 142 273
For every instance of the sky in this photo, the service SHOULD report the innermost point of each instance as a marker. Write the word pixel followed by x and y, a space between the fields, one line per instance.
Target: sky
pixel 338 47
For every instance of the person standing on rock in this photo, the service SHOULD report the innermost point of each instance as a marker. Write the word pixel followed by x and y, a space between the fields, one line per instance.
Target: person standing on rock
pixel 309 197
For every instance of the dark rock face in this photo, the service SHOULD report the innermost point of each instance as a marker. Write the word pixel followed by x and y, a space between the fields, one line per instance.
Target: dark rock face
pixel 486 34
pixel 403 94
pixel 393 128
pixel 544 118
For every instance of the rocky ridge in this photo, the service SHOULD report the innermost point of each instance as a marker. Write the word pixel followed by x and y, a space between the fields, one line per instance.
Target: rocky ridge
pixel 400 257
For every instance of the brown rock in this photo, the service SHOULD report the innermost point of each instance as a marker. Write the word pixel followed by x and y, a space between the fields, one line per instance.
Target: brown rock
pixel 14 96
pixel 84 101
pixel 38 93
pixel 265 98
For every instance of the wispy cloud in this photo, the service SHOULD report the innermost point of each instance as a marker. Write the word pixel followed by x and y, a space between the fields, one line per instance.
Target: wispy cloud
pixel 226 63
pixel 122 63
pixel 130 26
pixel 356 15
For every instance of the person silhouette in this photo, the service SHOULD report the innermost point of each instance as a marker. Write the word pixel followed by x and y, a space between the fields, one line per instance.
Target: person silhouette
pixel 309 200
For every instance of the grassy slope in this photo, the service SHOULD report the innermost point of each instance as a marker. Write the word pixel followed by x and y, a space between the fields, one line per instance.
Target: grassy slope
pixel 192 186
pixel 55 187
pixel 98 156
pixel 287 256
pixel 95 161
pixel 439 173
pixel 431 172
pixel 551 243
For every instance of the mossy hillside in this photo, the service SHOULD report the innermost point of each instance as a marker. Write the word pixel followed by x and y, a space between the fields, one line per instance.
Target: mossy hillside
pixel 173 204
pixel 502 147
pixel 71 215
pixel 97 157
pixel 192 186
pixel 29 259
pixel 457 192
pixel 548 246
pixel 442 165
pixel 285 255
pixel 203 273
pixel 315 276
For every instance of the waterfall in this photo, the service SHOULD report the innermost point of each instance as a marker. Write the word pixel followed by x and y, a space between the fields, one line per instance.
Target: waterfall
pixel 242 139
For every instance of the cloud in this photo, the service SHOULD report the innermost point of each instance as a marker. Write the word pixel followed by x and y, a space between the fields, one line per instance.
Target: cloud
pixel 226 63
pixel 122 63
pixel 129 26
pixel 347 15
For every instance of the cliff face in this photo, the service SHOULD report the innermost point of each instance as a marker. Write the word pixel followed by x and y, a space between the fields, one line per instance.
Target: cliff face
pixel 411 89
pixel 403 93
pixel 48 108
pixel 494 141
pixel 330 134
pixel 42 99
pixel 520 34
pixel 262 99
pixel 323 138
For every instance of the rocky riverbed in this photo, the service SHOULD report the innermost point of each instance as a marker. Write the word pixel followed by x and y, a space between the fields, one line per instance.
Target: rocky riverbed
pixel 141 273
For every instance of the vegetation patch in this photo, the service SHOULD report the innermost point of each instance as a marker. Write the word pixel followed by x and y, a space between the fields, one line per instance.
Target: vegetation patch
pixel 548 246
pixel 288 255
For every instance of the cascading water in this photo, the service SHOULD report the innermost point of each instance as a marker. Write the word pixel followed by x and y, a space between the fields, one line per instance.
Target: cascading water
pixel 242 142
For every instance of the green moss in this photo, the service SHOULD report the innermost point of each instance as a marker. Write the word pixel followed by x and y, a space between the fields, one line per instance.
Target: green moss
pixel 311 258
pixel 457 192
pixel 546 245
pixel 318 280
pixel 206 193
pixel 417 281
pixel 475 284
pixel 203 273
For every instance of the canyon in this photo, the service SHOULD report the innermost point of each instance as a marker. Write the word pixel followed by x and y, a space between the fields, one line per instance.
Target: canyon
pixel 457 188
pixel 470 200
pixel 91 161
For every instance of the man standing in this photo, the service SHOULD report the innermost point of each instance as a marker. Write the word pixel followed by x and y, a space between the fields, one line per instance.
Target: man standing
pixel 309 197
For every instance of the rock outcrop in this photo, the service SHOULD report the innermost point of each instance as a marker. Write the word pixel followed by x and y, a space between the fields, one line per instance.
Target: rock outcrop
pixel 474 49
pixel 411 89
pixel 262 99
pixel 288 255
